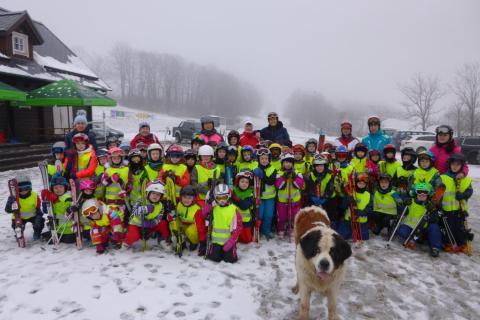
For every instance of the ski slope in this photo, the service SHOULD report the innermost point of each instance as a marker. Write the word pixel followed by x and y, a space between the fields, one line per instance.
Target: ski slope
pixel 41 283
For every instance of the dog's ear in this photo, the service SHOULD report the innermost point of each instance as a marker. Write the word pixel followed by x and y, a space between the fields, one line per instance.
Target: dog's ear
pixel 340 251
pixel 309 244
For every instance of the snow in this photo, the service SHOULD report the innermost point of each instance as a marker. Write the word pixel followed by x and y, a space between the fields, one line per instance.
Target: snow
pixel 41 283
pixel 75 64
pixel 4 56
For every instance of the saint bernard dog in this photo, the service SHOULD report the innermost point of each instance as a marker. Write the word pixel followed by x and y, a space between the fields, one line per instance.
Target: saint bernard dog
pixel 319 259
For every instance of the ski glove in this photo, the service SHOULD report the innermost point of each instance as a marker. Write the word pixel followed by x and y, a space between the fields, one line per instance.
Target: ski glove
pixel 228 245
pixel 318 201
pixel 122 194
pixel 259 173
pixel 349 200
pixel 11 204
pixel 115 177
pixel 144 210
pixel 433 217
pixel 49 196
pixel 460 196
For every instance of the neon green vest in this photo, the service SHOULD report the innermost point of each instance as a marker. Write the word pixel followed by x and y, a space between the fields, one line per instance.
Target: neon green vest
pixel 449 203
pixel 28 206
pixel 384 203
pixel 401 172
pixel 277 164
pixel 136 193
pixel 415 213
pixel 421 175
pixel 323 183
pixel 270 191
pixel 179 170
pixel 187 214
pixel 83 160
pixel 295 195
pixel 222 220
pixel 203 174
pixel 388 167
pixel 246 213
pixel 112 190
pixel 153 216
pixel 246 166
pixel 465 182
pixel 363 199
pixel 359 165
pixel 152 174
pixel 301 166
pixel 59 209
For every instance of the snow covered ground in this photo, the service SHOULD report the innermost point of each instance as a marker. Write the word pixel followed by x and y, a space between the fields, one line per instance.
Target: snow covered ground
pixel 41 283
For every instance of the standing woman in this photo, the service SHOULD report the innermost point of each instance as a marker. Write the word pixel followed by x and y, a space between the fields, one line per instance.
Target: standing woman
pixel 445 146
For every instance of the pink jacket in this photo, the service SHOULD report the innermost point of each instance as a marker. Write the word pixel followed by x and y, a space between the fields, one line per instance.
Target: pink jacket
pixel 298 181
pixel 441 158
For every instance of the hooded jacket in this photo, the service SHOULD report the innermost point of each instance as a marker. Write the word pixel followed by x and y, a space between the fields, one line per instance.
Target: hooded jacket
pixel 277 133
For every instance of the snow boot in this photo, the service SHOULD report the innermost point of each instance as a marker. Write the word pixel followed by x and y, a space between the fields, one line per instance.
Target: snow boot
pixel 434 252
pixel 100 248
pixel 202 249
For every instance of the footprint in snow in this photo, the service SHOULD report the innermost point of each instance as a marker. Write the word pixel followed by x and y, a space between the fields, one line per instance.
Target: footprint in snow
pixel 126 316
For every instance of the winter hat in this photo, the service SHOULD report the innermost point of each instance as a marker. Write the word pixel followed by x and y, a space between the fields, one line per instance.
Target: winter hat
pixel 80 118
pixel 143 124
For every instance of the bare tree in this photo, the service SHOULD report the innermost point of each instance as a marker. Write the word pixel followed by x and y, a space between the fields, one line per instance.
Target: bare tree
pixel 466 87
pixel 421 93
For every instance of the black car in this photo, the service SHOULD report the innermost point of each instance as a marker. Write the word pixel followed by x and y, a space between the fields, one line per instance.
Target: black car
pixel 470 148
pixel 185 130
pixel 101 131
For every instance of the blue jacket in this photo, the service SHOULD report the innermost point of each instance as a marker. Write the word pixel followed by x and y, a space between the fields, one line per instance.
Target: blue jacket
pixel 277 134
pixel 376 141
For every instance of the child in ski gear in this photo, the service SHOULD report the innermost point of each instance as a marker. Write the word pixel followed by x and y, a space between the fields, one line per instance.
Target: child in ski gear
pixel 360 202
pixel 248 138
pixel 231 166
pixel 310 150
pixel 155 162
pixel 423 219
pixel 88 190
pixel 29 206
pixel 289 184
pixel 243 198
pixel 126 149
pixel 196 142
pixel 387 203
pixel 454 201
pixel 192 222
pixel 340 169
pixel 204 173
pixel 190 157
pixel 233 138
pixel 175 169
pixel 148 217
pixel 301 166
pixel 61 199
pixel 58 153
pixel 359 160
pixel 143 150
pixel 221 157
pixel 445 145
pixel 226 225
pixel 116 179
pixel 403 177
pixel 426 172
pixel 389 164
pixel 82 160
pixel 267 175
pixel 276 151
pixel 99 223
pixel 209 134
pixel 113 142
pixel 102 157
pixel 135 166
pixel 247 161
pixel 320 188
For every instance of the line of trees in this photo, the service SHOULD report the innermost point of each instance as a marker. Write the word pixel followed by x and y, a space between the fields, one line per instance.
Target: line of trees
pixel 168 83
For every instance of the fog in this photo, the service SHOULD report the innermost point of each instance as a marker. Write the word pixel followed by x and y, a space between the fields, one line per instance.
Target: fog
pixel 350 51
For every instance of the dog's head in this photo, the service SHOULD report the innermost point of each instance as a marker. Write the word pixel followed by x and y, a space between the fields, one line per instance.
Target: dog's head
pixel 325 249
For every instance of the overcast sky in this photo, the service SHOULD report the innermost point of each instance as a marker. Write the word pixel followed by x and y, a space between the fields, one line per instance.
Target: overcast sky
pixel 354 50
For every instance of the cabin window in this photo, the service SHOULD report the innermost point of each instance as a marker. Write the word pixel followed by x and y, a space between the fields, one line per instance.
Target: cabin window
pixel 20 44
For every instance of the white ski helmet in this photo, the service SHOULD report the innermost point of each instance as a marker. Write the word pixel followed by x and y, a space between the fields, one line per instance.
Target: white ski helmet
pixel 221 190
pixel 155 187
pixel 154 146
pixel 90 206
pixel 287 157
pixel 319 159
pixel 205 150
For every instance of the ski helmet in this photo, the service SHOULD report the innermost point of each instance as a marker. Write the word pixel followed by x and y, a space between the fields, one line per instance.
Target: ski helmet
pixel 422 186
pixel 287 157
pixel 262 152
pixel 221 146
pixel 341 149
pixel 411 152
pixel 389 148
pixel 207 119
pixel 154 146
pixel 80 137
pixel 384 175
pixel 58 179
pixel 328 147
pixel 113 139
pixel 426 154
pixel 444 128
pixel 272 115
pixel 87 185
pixel 248 148
pixel 233 133
pixel 155 187
pixel 125 147
pixel 174 151
pixel 319 159
pixel 221 191
pixel 58 147
pixel 360 147
pixel 197 139
pixel 311 141
pixel 91 207
pixel 243 174
pixel 142 146
pixel 205 150
pixel 298 148
pixel 101 153
pixel 373 152
pixel 275 145
pixel 134 153
pixel 23 182
pixel 457 157
pixel 115 150
pixel 190 154
pixel 188 190
pixel 233 150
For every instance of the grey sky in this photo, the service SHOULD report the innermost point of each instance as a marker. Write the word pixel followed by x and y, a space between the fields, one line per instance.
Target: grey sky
pixel 349 50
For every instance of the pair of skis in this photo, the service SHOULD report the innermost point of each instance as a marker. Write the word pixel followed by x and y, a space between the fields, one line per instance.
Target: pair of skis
pixel 355 224
pixel 257 194
pixel 17 216
pixel 51 221
pixel 171 196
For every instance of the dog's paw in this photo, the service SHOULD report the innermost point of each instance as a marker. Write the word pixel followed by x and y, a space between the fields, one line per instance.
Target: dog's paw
pixel 295 289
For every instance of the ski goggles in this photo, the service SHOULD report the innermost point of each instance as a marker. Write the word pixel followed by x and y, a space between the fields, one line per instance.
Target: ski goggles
pixel 24 187
pixel 58 150
pixel 422 192
pixel 90 211
pixel 175 155
pixel 263 152
pixel 444 130
pixel 222 197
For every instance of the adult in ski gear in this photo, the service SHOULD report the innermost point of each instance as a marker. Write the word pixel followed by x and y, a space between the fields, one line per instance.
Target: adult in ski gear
pixel 445 146
pixel 248 138
pixel 346 138
pixel 144 136
pixel 80 126
pixel 275 131
pixel 81 160
pixel 226 228
pixel 209 134
pixel 375 139
pixel 267 175
pixel 28 204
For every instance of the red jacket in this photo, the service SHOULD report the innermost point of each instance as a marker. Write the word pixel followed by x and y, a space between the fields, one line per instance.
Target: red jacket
pixel 248 139
pixel 148 140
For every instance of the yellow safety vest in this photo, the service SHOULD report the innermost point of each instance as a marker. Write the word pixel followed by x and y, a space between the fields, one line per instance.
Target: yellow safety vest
pixel 277 164
pixel 152 174
pixel 84 159
pixel 59 209
pixel 301 166
pixel 179 170
pixel 112 190
pixel 270 191
pixel 389 167
pixel 246 166
pixel 155 215
pixel 136 193
pixel 415 213
pixel 384 203
pixel 465 182
pixel 421 175
pixel 363 199
pixel 187 214
pixel 359 165
pixel 401 172
pixel 295 193
pixel 28 206
pixel 323 184
pixel 222 221
pixel 203 175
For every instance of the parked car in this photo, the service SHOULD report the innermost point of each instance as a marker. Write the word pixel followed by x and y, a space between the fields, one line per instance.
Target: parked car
pixel 185 130
pixel 470 148
pixel 418 143
pixel 220 124
pixel 406 134
pixel 101 130
pixel 389 131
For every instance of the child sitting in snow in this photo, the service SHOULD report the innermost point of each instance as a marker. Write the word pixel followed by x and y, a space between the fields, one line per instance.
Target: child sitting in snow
pixel 226 225
pixel 95 211
pixel 386 205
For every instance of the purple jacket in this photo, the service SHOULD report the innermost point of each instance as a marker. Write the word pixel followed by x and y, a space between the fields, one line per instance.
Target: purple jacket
pixel 441 157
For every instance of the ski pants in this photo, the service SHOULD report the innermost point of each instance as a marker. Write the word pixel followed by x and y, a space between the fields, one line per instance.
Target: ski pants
pixel 216 253
pixel 134 232
pixel 191 231
pixel 381 221
pixel 283 215
pixel 246 235
pixel 432 233
pixel 37 222
pixel 266 212
pixel 345 229
pixel 457 226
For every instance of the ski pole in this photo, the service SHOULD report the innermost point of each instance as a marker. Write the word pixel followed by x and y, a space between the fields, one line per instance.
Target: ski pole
pixel 396 226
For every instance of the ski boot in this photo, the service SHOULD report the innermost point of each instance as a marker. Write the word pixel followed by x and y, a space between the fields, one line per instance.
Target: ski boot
pixel 202 249
pixel 434 252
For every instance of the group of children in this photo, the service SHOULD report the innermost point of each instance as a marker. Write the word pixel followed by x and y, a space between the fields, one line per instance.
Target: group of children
pixel 218 196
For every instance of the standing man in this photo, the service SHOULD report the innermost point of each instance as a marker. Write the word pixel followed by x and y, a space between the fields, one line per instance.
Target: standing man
pixel 375 139
pixel 248 138
pixel 346 138
pixel 80 125
pixel 144 136
pixel 275 131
